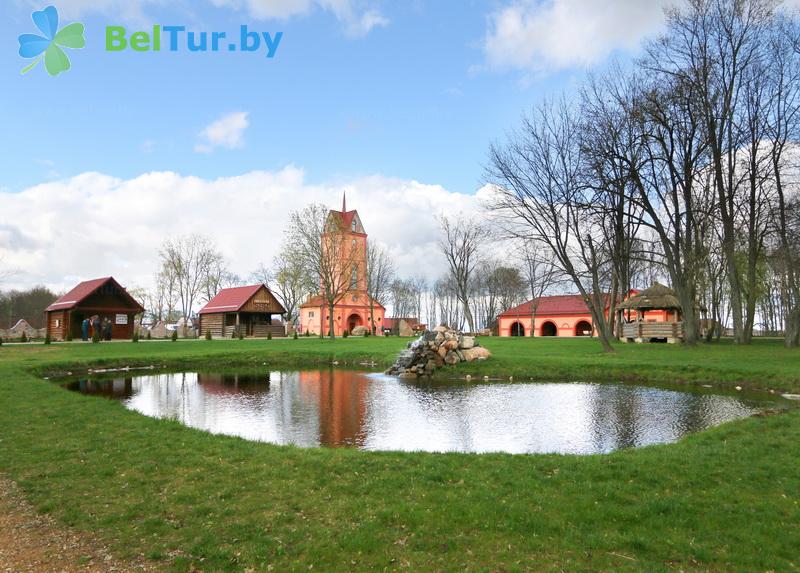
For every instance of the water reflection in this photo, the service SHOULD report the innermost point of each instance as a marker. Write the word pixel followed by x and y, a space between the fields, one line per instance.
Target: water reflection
pixel 375 412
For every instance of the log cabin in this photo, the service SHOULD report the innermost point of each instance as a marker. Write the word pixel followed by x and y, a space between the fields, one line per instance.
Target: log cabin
pixel 103 297
pixel 248 309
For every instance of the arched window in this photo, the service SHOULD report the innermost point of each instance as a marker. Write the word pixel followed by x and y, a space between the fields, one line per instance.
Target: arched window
pixel 354 277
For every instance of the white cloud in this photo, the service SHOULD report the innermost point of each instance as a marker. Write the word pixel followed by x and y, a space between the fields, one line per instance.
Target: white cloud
pixel 542 35
pixel 94 225
pixel 227 131
pixel 125 10
pixel 357 16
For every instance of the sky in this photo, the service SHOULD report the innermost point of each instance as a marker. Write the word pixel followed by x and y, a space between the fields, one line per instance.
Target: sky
pixel 395 102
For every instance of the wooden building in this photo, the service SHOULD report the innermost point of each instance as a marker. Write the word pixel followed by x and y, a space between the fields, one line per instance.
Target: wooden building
pixel 103 297
pixel 247 309
pixel 653 315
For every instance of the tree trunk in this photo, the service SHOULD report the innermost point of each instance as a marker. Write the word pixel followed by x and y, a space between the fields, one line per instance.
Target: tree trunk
pixel 468 316
pixel 331 334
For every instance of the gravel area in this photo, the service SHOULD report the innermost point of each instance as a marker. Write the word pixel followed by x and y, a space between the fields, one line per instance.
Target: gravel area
pixel 30 542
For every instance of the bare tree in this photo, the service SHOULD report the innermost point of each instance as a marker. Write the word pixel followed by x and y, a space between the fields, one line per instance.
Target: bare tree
pixel 380 273
pixel 783 131
pixel 460 244
pixel 450 308
pixel 218 277
pixel 288 280
pixel 187 260
pixel 541 194
pixel 540 272
pixel 163 299
pixel 714 47
pixel 318 241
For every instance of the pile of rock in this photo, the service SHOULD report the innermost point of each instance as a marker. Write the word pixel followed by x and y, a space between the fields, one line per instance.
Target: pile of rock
pixel 442 346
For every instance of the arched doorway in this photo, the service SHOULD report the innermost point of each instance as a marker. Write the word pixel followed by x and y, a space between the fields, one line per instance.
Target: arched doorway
pixel 517 329
pixel 353 321
pixel 549 329
pixel 583 328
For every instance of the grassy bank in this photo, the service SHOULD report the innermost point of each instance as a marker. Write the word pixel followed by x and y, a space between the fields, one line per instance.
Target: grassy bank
pixel 726 499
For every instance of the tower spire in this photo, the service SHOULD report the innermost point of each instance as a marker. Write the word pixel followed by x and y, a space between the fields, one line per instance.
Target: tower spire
pixel 344 201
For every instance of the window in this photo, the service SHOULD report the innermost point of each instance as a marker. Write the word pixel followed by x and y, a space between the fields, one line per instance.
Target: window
pixel 311 314
pixel 58 323
pixel 354 277
pixel 353 226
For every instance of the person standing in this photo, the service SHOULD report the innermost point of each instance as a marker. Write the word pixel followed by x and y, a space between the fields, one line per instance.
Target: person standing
pixel 107 329
pixel 96 331
pixel 85 329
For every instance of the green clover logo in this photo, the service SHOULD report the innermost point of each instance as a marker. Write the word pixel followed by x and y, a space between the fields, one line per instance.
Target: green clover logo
pixel 49 46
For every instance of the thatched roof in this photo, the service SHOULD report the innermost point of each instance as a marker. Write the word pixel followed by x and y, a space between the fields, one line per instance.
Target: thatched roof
pixel 656 297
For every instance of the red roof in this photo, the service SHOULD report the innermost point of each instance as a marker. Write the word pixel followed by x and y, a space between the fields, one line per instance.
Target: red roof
pixel 550 305
pixel 346 218
pixel 83 290
pixel 231 299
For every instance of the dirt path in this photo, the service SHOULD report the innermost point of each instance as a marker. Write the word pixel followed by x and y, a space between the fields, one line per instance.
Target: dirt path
pixel 30 542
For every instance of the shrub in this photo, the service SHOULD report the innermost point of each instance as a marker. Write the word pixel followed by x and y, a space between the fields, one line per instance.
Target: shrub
pixel 149 336
pixel 233 334
pixel 208 335
pixel 269 336
pixel 368 333
pixel 47 338
pixel 295 335
pixel 307 334
pixel 96 338
pixel 135 336
pixel 346 334
pixel 174 336
pixel 1 341
pixel 68 338
pixel 24 337
pixel 241 335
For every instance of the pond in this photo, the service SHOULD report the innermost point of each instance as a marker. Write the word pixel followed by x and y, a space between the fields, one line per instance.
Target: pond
pixel 340 408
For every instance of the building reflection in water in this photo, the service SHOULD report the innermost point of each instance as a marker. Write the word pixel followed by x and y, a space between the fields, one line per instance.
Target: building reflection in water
pixel 340 408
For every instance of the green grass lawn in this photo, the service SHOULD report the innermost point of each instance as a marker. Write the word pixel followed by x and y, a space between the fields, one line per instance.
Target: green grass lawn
pixel 726 499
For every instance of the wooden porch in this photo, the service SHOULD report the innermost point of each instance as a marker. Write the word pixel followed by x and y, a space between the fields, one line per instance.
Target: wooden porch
pixel 641 331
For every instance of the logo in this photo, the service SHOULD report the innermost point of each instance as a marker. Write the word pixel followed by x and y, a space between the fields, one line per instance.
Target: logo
pixel 48 47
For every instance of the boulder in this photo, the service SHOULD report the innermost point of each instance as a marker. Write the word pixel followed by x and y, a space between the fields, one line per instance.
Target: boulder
pixel 451 358
pixel 450 344
pixel 404 329
pixel 467 342
pixel 359 331
pixel 477 353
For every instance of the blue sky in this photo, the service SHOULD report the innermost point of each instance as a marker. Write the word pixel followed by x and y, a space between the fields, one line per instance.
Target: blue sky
pixel 397 102
pixel 408 99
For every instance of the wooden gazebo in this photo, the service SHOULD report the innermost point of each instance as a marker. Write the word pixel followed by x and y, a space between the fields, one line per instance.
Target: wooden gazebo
pixel 654 314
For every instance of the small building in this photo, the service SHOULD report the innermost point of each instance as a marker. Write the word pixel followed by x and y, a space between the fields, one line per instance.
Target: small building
pixel 103 297
pixel 403 326
pixel 248 309
pixel 560 315
pixel 652 315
